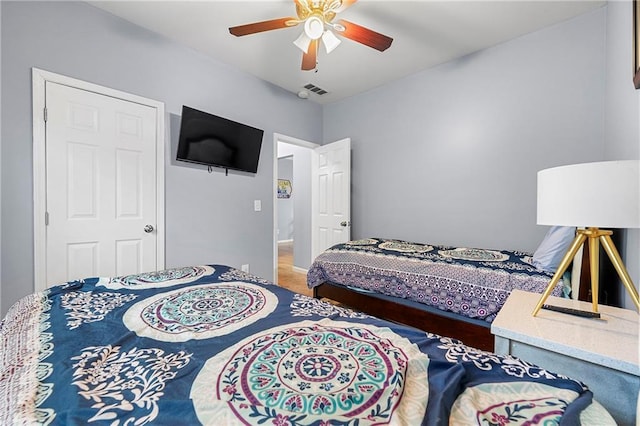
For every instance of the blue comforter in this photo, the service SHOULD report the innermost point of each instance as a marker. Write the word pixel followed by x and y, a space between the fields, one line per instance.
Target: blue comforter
pixel 213 345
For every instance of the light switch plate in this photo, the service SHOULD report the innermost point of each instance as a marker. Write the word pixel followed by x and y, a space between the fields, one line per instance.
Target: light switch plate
pixel 257 205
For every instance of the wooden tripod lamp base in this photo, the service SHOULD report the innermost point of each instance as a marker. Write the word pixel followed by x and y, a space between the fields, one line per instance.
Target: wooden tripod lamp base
pixel 595 236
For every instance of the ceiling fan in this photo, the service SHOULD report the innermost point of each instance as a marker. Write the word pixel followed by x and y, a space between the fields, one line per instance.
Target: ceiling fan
pixel 318 19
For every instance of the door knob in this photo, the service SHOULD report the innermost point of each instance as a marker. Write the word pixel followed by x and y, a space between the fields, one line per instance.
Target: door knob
pixel 345 223
pixel 148 229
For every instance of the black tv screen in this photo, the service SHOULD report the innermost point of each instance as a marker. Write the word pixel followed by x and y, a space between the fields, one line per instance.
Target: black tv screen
pixel 216 141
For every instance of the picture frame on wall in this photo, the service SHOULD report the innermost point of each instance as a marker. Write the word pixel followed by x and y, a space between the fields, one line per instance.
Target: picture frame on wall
pixel 636 44
pixel 284 188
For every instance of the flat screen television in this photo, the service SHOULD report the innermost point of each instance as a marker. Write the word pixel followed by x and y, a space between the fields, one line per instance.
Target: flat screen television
pixel 216 141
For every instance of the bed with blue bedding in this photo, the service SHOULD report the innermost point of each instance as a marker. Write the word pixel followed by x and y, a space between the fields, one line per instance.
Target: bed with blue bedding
pixel 213 345
pixel 444 283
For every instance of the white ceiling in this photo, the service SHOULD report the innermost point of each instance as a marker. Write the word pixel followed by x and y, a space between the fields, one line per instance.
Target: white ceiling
pixel 425 33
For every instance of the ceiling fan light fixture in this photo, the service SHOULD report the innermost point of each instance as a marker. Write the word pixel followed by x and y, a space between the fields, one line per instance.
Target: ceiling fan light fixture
pixel 314 27
pixel 337 27
pixel 334 5
pixel 330 41
pixel 303 42
pixel 317 18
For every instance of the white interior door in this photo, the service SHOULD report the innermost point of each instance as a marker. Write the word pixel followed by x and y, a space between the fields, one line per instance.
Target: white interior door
pixel 331 195
pixel 101 194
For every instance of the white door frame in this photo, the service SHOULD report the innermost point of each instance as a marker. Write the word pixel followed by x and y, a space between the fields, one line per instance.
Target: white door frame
pixel 39 78
pixel 277 137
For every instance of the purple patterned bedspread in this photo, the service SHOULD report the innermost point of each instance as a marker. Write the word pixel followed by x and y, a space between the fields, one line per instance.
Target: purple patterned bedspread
pixel 467 281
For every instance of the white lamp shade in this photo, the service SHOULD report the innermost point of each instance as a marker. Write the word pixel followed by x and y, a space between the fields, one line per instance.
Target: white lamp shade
pixel 603 195
pixel 330 41
pixel 314 27
pixel 303 42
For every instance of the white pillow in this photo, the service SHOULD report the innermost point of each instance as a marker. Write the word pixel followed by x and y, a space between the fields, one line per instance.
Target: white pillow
pixel 553 247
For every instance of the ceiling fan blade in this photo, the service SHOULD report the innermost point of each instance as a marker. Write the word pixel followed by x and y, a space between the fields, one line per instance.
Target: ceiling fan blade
pixel 309 58
pixel 345 5
pixel 365 36
pixel 258 27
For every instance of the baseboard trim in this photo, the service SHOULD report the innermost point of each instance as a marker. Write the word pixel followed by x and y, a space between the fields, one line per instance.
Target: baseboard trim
pixel 285 241
pixel 300 270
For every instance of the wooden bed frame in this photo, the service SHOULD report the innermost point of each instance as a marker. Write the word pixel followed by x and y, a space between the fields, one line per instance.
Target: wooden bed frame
pixel 472 334
pixel 478 336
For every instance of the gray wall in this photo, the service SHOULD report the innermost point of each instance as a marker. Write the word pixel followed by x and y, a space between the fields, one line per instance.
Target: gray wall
pixel 450 155
pixel 301 202
pixel 622 112
pixel 285 205
pixel 209 217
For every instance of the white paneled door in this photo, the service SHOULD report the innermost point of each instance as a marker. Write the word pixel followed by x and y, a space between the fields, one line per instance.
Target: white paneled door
pixel 331 200
pixel 101 193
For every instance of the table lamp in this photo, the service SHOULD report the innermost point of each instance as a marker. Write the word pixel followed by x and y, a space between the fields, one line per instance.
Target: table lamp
pixel 591 196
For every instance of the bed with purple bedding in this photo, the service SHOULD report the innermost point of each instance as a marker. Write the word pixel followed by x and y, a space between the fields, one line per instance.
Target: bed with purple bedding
pixel 471 283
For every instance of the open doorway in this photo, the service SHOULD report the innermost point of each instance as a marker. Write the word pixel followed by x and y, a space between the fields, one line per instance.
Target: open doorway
pixel 292 212
pixel 289 275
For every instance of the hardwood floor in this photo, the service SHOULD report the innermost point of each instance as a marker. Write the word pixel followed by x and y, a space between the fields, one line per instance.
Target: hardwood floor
pixel 287 276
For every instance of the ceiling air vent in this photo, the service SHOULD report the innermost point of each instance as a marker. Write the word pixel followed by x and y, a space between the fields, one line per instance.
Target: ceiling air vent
pixel 315 89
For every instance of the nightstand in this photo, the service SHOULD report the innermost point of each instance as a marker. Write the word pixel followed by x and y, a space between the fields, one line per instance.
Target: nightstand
pixel 602 353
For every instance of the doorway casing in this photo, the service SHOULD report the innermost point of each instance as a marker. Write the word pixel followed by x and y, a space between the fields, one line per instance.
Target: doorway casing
pixel 277 137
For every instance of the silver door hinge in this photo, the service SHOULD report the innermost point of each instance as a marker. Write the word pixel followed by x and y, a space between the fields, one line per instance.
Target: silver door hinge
pixel 45 114
pixel 46 218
